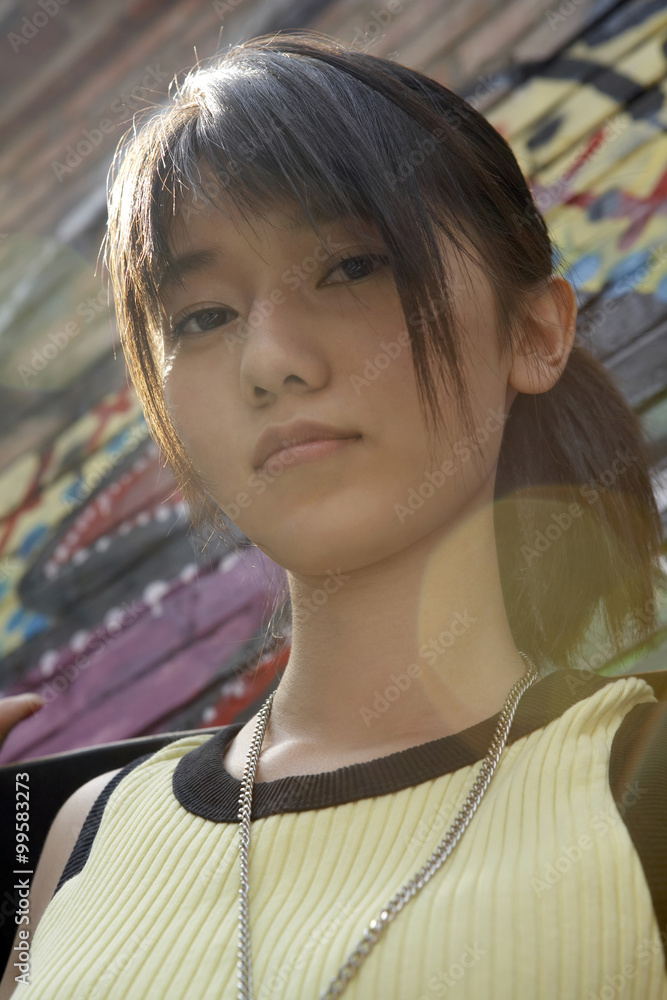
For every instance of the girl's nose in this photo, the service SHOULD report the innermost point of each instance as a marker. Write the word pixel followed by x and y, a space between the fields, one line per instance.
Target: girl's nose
pixel 281 353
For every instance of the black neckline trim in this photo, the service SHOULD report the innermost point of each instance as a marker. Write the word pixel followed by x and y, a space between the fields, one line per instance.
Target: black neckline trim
pixel 203 786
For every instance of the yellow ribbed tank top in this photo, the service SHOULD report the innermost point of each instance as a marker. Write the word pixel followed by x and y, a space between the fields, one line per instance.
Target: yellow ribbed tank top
pixel 544 896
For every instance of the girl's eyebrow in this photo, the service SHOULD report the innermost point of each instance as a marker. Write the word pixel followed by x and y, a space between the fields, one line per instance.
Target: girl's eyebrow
pixel 299 221
pixel 186 263
pixel 198 260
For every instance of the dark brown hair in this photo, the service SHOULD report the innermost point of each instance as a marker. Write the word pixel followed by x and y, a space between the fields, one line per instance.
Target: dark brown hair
pixel 337 132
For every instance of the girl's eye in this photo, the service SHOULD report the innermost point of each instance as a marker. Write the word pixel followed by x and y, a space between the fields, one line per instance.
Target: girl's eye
pixel 201 321
pixel 357 267
pixel 353 268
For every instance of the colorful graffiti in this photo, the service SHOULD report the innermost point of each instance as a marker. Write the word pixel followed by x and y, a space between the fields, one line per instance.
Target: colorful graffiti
pixel 110 606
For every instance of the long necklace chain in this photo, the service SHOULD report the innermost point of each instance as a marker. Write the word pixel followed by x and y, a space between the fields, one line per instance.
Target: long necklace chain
pixel 375 928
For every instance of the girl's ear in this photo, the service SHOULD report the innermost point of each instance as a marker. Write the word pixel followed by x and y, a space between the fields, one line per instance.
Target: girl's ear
pixel 549 330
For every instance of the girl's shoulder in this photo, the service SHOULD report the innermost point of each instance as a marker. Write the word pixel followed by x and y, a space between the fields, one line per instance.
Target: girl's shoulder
pixel 638 782
pixel 167 757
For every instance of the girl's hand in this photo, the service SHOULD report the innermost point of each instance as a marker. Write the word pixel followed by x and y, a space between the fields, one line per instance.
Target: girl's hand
pixel 15 708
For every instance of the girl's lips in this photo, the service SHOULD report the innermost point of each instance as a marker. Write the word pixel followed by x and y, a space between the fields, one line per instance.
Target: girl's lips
pixel 282 437
pixel 308 451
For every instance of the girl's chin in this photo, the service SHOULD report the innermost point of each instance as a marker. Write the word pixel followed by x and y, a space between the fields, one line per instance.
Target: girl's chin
pixel 318 556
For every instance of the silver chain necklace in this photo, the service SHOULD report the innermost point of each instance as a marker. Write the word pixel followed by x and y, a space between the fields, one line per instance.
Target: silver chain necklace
pixel 375 928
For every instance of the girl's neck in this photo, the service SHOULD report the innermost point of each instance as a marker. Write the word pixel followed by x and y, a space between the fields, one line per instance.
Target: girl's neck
pixel 402 652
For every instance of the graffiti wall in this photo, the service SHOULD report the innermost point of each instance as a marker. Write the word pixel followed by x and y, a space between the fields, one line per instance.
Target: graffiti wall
pixel 110 607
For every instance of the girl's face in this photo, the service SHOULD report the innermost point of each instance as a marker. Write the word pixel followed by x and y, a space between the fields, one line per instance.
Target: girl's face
pixel 273 329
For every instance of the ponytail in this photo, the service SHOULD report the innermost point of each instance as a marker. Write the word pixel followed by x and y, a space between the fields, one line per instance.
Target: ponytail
pixel 578 529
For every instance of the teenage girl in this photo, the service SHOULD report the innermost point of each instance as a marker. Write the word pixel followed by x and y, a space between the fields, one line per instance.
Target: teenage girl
pixel 343 315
